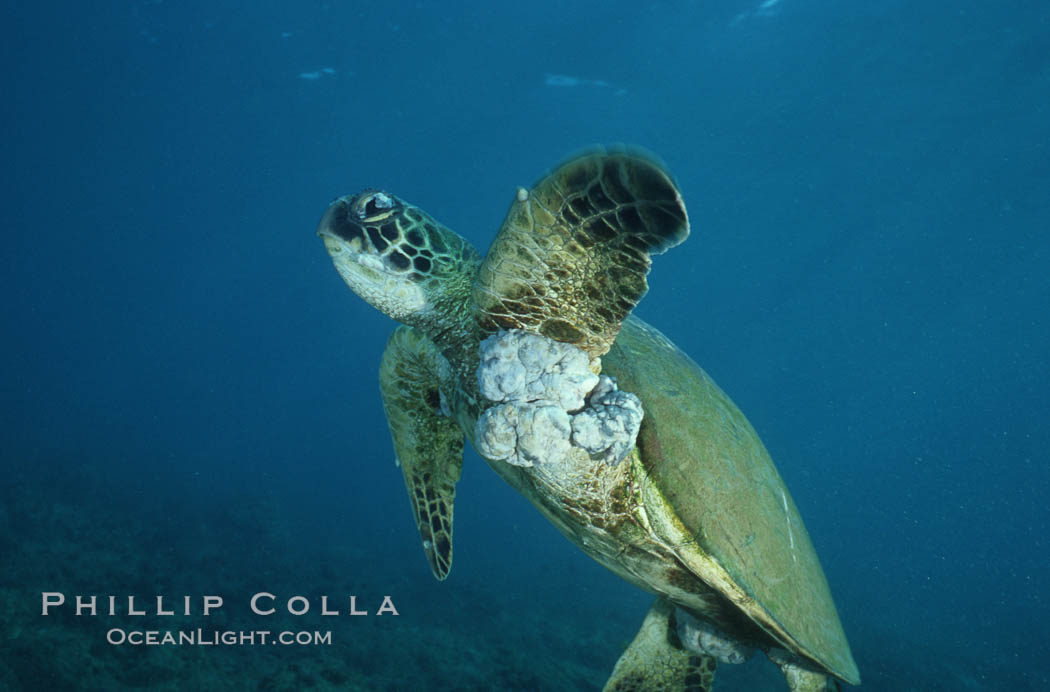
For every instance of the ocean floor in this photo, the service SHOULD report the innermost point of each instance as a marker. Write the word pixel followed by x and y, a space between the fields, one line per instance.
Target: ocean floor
pixel 552 628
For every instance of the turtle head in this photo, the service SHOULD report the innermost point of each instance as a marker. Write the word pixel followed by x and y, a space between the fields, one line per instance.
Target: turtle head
pixel 398 258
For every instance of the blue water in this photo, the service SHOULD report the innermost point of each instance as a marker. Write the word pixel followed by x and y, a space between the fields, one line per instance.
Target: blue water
pixel 189 401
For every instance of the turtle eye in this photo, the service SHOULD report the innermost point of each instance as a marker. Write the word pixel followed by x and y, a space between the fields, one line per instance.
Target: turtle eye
pixel 376 203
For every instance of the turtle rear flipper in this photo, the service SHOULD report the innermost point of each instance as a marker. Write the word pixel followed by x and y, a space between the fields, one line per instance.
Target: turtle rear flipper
pixel 571 258
pixel 802 678
pixel 428 444
pixel 655 660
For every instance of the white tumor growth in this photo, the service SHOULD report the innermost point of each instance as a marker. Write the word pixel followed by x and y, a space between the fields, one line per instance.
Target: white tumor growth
pixel 702 638
pixel 607 428
pixel 519 366
pixel 548 402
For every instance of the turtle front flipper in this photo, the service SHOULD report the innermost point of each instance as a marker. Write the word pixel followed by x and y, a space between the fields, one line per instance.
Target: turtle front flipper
pixel 428 444
pixel 655 660
pixel 571 258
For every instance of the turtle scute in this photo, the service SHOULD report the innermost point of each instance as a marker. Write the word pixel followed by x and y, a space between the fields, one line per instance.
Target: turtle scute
pixel 547 402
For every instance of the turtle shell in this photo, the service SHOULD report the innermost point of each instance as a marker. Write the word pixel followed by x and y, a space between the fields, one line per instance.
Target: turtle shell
pixel 720 502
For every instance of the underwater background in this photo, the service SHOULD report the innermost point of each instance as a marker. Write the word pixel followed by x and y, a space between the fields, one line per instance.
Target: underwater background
pixel 189 402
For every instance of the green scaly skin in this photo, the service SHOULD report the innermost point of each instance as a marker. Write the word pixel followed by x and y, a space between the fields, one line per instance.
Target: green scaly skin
pixel 428 444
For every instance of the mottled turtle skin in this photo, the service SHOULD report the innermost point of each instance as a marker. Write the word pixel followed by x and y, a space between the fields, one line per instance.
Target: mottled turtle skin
pixel 696 513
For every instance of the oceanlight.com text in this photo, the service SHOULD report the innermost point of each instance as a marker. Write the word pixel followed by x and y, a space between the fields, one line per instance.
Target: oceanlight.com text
pixel 199 637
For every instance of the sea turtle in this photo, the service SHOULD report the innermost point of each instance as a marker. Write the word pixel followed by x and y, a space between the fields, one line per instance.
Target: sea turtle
pixel 653 472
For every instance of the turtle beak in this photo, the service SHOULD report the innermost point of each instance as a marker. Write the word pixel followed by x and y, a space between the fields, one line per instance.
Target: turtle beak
pixel 335 212
pixel 337 230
